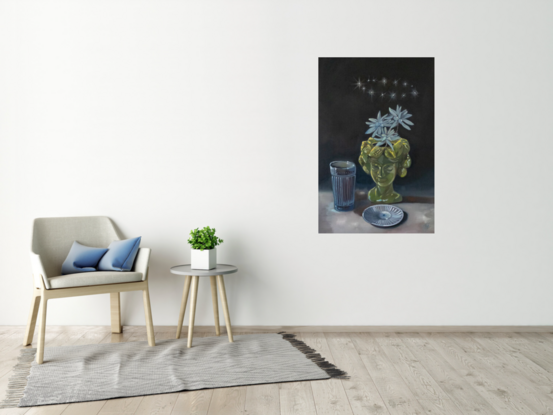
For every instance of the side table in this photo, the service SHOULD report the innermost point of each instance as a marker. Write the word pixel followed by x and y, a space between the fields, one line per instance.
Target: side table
pixel 193 277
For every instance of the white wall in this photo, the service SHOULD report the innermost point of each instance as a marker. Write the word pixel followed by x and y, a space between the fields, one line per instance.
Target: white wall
pixel 169 115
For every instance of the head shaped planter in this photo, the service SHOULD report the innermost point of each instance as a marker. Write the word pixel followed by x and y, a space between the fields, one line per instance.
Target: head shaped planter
pixel 384 164
pixel 385 155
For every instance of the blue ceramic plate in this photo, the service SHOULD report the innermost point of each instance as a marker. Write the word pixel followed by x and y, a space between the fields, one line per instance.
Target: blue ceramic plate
pixel 383 216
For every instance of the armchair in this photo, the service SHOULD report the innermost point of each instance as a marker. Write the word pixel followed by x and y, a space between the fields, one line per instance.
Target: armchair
pixel 51 241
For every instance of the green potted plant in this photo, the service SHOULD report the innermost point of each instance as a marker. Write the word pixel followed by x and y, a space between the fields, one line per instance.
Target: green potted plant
pixel 203 243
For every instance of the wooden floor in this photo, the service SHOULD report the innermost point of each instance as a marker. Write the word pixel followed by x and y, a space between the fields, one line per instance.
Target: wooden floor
pixel 391 373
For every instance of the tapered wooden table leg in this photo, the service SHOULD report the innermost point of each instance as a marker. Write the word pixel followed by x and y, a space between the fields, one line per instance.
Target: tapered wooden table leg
pixel 215 304
pixel 193 298
pixel 192 280
pixel 183 304
pixel 223 293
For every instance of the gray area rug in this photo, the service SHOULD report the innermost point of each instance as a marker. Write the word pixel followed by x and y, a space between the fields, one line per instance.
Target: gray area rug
pixel 105 371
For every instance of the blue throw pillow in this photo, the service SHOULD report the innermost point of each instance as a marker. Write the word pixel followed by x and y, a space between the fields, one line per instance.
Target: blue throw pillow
pixel 120 255
pixel 82 259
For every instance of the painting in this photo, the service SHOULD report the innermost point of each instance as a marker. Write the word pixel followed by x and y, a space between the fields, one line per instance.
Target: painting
pixel 376 145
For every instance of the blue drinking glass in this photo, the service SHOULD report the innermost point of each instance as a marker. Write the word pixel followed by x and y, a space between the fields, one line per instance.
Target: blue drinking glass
pixel 343 185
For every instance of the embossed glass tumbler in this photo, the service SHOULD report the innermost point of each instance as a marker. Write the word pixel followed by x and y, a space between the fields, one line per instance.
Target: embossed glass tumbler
pixel 343 185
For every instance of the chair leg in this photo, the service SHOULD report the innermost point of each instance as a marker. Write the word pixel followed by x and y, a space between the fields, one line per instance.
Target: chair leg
pixel 115 306
pixel 42 331
pixel 149 322
pixel 193 298
pixel 223 293
pixel 183 304
pixel 215 304
pixel 31 324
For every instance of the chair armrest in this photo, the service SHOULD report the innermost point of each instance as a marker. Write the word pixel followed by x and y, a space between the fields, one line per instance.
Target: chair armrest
pixel 39 274
pixel 142 261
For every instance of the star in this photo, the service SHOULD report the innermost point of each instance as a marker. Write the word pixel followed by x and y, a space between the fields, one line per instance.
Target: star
pixel 358 84
pixel 415 93
pixel 393 95
pixel 396 81
pixel 384 81
pixel 405 83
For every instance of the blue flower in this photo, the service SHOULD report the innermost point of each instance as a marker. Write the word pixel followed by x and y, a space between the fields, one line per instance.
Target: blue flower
pixel 388 135
pixel 400 117
pixel 376 125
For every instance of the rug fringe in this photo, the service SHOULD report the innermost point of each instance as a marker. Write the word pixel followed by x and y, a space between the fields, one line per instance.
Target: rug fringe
pixel 18 381
pixel 330 369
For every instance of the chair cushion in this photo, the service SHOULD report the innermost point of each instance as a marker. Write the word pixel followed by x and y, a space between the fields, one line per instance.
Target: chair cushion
pixel 82 258
pixel 120 255
pixel 93 278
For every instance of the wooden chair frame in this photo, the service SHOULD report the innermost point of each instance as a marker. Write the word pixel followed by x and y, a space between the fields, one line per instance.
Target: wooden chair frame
pixel 42 295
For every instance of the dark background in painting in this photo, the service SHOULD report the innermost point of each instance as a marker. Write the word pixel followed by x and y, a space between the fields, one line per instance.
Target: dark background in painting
pixel 344 110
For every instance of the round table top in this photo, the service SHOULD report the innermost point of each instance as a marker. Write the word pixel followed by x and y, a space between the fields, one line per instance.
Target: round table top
pixel 221 269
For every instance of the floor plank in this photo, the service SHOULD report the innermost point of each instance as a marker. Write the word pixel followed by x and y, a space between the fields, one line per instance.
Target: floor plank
pixel 14 411
pixel 411 370
pixel 329 395
pixel 263 399
pixel 228 401
pixel 193 402
pixel 512 374
pixel 394 391
pixel 547 336
pixel 157 404
pixel 467 399
pixel 489 385
pixel 296 398
pixel 121 406
pixel 537 349
pixel 364 398
pixel 84 408
pixel 440 407
pixel 346 357
pixel 538 376
pixel 47 410
pixel 525 346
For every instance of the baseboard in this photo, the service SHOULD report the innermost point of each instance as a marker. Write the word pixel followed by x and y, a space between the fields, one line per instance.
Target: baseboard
pixel 374 329
pixel 340 329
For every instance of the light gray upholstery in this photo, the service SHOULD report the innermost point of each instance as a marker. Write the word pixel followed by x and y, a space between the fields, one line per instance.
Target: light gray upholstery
pixel 52 240
pixel 93 278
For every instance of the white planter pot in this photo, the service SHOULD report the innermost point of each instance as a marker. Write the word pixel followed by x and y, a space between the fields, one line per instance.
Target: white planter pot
pixel 206 259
